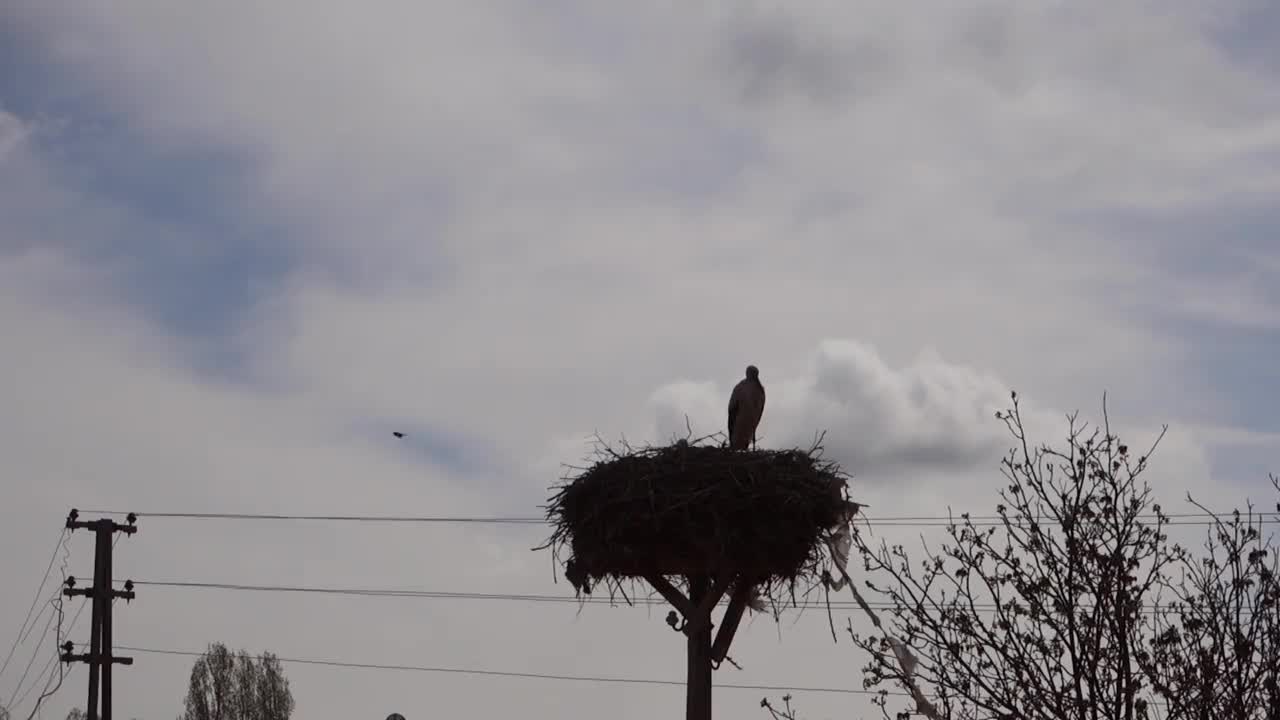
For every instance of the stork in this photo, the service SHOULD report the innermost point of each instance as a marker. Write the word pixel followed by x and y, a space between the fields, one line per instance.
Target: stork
pixel 746 405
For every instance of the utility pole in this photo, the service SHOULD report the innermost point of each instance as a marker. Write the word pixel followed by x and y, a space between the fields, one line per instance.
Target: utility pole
pixel 99 657
pixel 698 685
pixel 706 650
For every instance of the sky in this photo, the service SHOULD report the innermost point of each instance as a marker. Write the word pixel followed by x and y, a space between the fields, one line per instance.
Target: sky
pixel 242 242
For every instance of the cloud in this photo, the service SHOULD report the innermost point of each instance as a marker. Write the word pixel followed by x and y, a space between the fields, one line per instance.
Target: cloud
pixel 922 434
pixel 879 422
pixel 776 56
pixel 12 132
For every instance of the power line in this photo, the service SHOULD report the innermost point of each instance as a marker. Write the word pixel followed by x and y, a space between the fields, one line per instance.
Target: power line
pixel 44 673
pixel 431 594
pixel 22 631
pixel 46 607
pixel 43 634
pixel 523 675
pixel 50 688
pixel 519 597
pixel 1200 518
pixel 331 518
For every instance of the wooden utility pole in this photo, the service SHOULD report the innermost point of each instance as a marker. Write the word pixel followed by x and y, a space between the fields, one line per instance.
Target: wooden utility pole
pixel 698 692
pixel 99 657
pixel 706 651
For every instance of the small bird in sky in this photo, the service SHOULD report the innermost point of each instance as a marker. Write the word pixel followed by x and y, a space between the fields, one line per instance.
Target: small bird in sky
pixel 397 433
pixel 746 406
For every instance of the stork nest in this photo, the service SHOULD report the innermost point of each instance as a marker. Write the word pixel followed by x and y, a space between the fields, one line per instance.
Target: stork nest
pixel 696 508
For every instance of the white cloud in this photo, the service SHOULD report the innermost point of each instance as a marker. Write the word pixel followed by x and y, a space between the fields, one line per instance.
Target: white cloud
pixel 879 422
pixel 923 435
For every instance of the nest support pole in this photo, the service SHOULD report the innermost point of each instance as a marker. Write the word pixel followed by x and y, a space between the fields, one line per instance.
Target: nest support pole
pixel 729 623
pixel 698 692
pixel 705 650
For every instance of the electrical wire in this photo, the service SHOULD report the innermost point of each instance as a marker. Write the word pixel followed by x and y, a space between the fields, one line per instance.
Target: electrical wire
pixel 520 675
pixel 519 597
pixel 46 607
pixel 428 594
pixel 48 624
pixel 23 631
pixel 62 671
pixel 44 674
pixel 57 603
pixel 331 518
pixel 1200 519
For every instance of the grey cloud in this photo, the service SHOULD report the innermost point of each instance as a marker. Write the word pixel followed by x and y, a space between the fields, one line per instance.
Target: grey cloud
pixel 775 57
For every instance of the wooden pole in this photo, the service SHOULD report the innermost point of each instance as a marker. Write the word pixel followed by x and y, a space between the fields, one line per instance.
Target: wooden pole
pixel 101 550
pixel 698 692
pixel 106 531
pixel 729 622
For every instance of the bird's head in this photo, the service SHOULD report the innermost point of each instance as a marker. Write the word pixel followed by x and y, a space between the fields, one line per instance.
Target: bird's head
pixel 753 372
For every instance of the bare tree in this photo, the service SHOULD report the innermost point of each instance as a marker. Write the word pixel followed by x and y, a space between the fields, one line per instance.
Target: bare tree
pixel 1073 603
pixel 1041 613
pixel 1216 652
pixel 231 686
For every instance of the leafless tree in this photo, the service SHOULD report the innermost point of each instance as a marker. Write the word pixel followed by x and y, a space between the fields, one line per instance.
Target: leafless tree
pixel 1041 613
pixel 1074 604
pixel 1216 652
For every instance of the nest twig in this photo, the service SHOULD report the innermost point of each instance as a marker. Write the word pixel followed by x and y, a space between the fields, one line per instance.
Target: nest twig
pixel 696 508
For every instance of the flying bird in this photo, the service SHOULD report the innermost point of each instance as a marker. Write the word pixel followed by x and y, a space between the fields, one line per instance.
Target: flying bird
pixel 397 433
pixel 746 405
